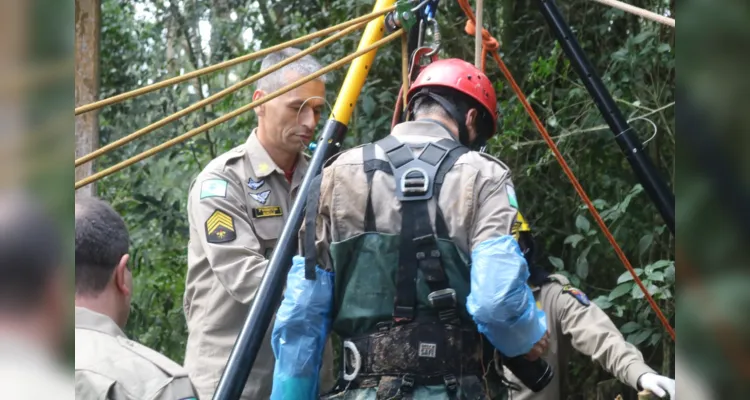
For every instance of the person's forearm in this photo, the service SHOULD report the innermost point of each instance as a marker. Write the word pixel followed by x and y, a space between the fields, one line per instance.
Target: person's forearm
pixel 300 332
pixel 500 302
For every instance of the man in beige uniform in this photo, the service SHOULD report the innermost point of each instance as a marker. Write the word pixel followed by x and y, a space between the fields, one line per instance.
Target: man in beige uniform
pixel 237 207
pixel 109 365
pixel 386 317
pixel 574 322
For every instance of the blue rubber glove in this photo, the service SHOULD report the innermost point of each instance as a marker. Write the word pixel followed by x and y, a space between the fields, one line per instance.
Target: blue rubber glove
pixel 500 301
pixel 300 332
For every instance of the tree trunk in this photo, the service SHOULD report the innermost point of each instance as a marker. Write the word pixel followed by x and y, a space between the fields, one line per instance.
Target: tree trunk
pixel 87 85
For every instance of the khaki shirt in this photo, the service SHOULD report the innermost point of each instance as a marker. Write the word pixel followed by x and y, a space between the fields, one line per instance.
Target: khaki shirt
pixel 112 367
pixel 475 198
pixel 237 208
pixel 30 371
pixel 585 328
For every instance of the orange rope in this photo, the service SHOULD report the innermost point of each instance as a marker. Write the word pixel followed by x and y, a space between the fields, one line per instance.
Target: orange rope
pixel 489 45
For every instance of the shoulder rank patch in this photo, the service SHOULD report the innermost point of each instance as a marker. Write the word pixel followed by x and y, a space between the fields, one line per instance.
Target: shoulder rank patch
pixel 579 295
pixel 269 211
pixel 213 188
pixel 220 228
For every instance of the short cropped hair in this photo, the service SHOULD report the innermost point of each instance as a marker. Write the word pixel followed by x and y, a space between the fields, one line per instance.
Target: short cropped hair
pixel 101 241
pixel 30 252
pixel 304 66
pixel 424 105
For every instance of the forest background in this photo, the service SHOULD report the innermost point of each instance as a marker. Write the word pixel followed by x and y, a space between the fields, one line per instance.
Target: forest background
pixel 145 41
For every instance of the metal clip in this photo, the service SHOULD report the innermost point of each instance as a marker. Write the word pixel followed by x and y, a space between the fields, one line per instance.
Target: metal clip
pixel 435 37
pixel 415 185
pixel 407 384
pixel 357 361
pixel 451 383
pixel 443 298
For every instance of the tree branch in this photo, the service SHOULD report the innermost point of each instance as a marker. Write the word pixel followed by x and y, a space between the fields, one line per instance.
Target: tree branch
pixel 182 25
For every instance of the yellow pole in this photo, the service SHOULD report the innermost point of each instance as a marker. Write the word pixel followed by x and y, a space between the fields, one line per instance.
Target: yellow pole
pixel 355 77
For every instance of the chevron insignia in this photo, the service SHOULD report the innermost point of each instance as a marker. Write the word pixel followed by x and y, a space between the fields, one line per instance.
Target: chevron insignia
pixel 220 228
pixel 261 197
pixel 255 185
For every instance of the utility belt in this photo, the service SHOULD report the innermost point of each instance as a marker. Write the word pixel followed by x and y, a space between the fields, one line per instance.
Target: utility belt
pixel 421 353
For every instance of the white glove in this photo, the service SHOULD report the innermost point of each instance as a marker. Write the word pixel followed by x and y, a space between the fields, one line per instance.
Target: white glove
pixel 657 384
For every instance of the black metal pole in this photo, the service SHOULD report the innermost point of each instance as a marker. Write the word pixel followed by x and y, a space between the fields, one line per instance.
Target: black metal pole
pixel 251 336
pixel 655 186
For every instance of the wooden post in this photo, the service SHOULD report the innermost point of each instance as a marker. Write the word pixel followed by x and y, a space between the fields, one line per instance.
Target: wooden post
pixel 88 28
pixel 478 34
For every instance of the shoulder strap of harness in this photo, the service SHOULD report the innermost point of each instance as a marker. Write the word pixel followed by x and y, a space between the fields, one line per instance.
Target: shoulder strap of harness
pixel 415 186
pixel 450 160
pixel 372 164
pixel 311 214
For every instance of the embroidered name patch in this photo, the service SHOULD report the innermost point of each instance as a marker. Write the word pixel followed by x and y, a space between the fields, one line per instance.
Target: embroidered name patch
pixel 579 295
pixel 268 211
pixel 220 228
pixel 213 188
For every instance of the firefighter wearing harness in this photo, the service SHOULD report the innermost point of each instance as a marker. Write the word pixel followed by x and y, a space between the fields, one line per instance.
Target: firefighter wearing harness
pixel 409 257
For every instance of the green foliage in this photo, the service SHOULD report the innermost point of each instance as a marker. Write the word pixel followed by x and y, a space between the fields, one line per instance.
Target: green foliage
pixel 150 40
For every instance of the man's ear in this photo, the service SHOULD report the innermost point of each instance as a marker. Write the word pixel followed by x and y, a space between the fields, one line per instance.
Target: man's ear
pixel 121 275
pixel 261 109
pixel 472 117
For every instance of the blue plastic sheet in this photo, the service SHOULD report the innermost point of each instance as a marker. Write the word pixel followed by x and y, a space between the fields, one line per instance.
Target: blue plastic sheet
pixel 300 331
pixel 500 301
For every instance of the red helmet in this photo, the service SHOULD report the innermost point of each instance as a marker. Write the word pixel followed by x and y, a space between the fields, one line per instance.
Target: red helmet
pixel 457 74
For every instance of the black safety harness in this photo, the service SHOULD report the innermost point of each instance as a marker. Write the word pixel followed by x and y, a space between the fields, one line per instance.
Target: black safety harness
pixel 427 350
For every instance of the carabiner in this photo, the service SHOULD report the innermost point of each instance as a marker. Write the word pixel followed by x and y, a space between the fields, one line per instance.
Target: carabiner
pixel 435 37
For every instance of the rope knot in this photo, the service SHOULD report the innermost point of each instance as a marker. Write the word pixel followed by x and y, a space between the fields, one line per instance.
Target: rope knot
pixel 489 43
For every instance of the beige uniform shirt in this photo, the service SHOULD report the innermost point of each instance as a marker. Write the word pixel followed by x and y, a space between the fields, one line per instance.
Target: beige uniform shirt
pixel 30 371
pixel 237 207
pixel 475 199
pixel 588 330
pixel 112 367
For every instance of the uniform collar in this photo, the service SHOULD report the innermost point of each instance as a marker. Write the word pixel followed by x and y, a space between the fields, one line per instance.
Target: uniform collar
pixel 91 320
pixel 260 160
pixel 426 129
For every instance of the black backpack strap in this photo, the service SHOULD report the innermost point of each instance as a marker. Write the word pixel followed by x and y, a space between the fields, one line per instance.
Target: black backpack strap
pixel 456 151
pixel 372 164
pixel 311 214
pixel 418 248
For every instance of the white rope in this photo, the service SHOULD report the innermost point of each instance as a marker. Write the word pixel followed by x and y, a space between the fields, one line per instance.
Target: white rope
pixel 639 11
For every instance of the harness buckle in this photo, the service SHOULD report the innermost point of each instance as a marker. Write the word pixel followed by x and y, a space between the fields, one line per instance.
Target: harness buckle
pixel 444 298
pixel 444 301
pixel 451 383
pixel 356 361
pixel 415 182
pixel 407 384
pixel 384 326
pixel 403 314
